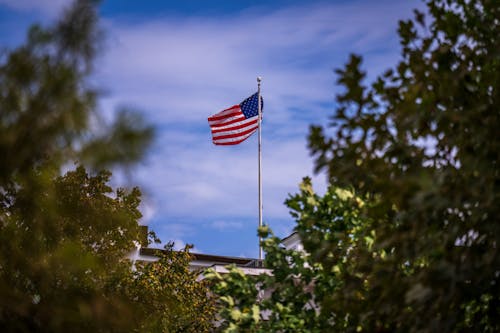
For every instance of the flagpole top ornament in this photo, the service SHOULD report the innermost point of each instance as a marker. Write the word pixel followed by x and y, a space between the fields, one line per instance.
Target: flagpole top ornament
pixel 259 78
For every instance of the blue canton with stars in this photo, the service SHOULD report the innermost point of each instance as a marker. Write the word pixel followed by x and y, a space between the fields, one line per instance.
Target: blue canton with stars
pixel 249 106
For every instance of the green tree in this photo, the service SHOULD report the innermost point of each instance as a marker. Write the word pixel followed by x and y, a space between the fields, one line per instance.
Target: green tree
pixel 64 237
pixel 60 252
pixel 65 266
pixel 422 140
pixel 419 147
pixel 295 296
pixel 48 105
pixel 170 296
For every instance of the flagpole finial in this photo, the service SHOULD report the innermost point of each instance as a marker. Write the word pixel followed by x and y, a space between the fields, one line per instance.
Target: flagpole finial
pixel 259 78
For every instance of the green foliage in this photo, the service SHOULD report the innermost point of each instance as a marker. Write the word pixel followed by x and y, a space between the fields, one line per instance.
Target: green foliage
pixel 61 249
pixel 64 265
pixel 238 299
pixel 64 239
pixel 169 296
pixel 406 237
pixel 48 106
pixel 422 140
pixel 295 296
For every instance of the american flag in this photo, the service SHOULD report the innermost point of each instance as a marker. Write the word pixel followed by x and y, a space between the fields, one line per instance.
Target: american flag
pixel 233 125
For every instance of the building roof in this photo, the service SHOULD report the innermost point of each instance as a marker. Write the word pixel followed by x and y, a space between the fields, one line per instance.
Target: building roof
pixel 289 236
pixel 214 259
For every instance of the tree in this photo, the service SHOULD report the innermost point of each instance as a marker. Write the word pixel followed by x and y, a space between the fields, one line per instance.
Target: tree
pixel 65 235
pixel 422 141
pixel 60 252
pixel 49 113
pixel 65 266
pixel 169 295
pixel 419 147
pixel 295 297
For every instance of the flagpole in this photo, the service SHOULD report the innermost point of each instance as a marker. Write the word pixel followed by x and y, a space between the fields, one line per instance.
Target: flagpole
pixel 260 162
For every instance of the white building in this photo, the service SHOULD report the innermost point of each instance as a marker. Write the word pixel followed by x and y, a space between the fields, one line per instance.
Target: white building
pixel 249 266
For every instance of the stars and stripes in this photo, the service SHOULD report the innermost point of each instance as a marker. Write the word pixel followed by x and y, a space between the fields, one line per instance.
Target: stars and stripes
pixel 233 125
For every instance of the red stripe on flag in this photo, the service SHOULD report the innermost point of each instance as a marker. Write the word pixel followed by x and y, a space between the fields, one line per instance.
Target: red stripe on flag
pixel 233 110
pixel 236 133
pixel 233 125
pixel 231 141
pixel 228 121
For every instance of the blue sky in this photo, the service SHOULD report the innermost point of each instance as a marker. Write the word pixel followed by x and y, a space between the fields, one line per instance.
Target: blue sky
pixel 179 62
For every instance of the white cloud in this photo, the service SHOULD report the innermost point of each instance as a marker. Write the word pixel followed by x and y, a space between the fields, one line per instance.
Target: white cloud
pixel 180 245
pixel 148 210
pixel 200 180
pixel 225 225
pixel 181 70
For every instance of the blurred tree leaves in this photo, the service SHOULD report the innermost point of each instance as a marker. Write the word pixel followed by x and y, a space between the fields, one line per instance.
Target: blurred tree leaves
pixel 406 238
pixel 61 248
pixel 48 105
pixel 422 140
pixel 65 234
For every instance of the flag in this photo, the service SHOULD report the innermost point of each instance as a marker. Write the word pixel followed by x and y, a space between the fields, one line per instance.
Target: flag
pixel 233 125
